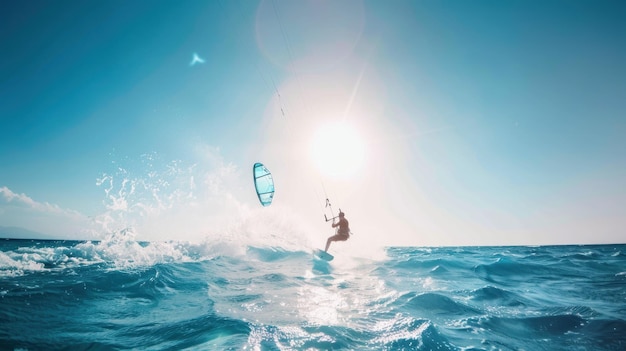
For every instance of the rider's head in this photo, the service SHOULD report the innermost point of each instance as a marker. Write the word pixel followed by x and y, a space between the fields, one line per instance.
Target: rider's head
pixel 341 214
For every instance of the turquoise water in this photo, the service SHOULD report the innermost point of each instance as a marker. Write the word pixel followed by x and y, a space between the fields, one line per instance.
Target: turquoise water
pixel 120 294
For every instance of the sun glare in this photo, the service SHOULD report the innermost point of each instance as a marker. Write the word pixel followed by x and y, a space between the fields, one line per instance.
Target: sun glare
pixel 337 150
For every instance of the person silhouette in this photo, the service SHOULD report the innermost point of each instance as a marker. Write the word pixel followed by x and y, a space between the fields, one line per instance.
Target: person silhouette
pixel 342 233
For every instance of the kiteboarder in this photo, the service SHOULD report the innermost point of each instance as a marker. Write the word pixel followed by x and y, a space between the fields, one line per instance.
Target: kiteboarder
pixel 343 233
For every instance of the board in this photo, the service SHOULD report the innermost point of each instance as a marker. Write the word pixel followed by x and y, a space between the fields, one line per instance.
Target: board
pixel 324 255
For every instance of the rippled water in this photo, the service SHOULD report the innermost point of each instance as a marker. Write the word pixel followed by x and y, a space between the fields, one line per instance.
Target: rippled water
pixel 122 294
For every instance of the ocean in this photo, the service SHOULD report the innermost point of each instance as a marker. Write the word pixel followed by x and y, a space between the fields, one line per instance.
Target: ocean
pixel 122 294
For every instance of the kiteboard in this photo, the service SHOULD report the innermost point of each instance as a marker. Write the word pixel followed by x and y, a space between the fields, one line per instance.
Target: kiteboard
pixel 324 255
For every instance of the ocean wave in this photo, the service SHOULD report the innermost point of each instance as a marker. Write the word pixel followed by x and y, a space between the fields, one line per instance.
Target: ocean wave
pixel 406 333
pixel 427 264
pixel 551 331
pixel 12 266
pixel 507 271
pixel 433 304
pixel 496 296
pixel 122 251
pixel 122 294
pixel 606 334
pixel 273 254
pixel 399 333
pixel 531 327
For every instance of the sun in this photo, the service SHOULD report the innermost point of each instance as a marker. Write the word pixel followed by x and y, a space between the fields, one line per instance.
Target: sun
pixel 337 150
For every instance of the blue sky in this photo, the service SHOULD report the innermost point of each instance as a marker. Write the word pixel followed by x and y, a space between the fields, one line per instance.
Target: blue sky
pixel 477 123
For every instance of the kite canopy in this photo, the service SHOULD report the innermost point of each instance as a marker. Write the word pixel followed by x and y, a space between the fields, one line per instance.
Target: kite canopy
pixel 263 184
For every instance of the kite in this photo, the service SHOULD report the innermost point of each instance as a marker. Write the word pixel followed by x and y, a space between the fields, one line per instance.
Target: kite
pixel 263 184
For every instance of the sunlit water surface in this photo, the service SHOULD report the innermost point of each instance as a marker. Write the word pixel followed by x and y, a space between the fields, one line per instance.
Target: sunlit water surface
pixel 121 294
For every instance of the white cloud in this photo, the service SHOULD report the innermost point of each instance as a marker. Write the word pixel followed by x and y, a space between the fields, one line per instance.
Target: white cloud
pixel 26 201
pixel 20 210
